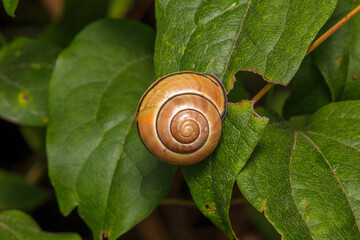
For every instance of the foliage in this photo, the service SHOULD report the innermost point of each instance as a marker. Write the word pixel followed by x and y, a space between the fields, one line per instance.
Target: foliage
pixel 83 82
pixel 17 225
pixel 10 6
pixel 98 94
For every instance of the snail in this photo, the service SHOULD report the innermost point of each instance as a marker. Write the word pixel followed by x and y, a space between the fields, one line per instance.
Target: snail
pixel 179 117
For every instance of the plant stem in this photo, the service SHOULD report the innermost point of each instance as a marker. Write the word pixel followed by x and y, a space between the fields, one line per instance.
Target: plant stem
pixel 314 45
pixel 262 92
pixel 189 203
pixel 332 30
pixel 36 171
pixel 177 202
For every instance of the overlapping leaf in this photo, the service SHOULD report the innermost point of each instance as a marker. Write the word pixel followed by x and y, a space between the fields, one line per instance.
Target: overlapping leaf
pixel 96 159
pixel 16 193
pixel 307 182
pixel 16 225
pixel 220 37
pixel 25 70
pixel 338 57
pixel 211 181
pixel 309 92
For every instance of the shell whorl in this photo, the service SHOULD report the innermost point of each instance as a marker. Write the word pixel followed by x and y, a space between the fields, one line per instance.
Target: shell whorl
pixel 180 116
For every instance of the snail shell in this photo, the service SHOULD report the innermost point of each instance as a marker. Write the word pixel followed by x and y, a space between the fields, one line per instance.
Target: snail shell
pixel 179 117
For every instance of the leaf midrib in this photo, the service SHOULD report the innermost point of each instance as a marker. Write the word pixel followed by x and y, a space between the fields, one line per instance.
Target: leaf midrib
pixel 235 41
pixel 10 229
pixel 94 118
pixel 132 121
pixel 291 189
pixel 334 173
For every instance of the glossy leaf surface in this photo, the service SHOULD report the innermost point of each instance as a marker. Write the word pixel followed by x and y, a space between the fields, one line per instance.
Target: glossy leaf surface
pixel 96 159
pixel 221 37
pixel 211 181
pixel 307 182
pixel 25 70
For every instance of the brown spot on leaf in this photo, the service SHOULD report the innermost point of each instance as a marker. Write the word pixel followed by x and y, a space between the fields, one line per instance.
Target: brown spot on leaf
pixel 354 77
pixel 339 61
pixel 23 97
pixel 46 120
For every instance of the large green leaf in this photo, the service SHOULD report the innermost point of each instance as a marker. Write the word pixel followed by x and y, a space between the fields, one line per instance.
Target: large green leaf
pixel 221 37
pixel 211 181
pixel 16 193
pixel 10 6
pixel 76 15
pixel 307 182
pixel 338 57
pixel 309 92
pixel 25 70
pixel 96 159
pixel 16 225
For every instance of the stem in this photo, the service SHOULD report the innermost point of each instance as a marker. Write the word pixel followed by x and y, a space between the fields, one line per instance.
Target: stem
pixel 36 171
pixel 177 202
pixel 262 92
pixel 314 45
pixel 189 203
pixel 332 30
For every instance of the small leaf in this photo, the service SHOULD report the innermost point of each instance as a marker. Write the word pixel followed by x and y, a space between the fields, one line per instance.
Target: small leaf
pixel 307 182
pixel 10 6
pixel 338 57
pixel 120 8
pixel 25 70
pixel 15 193
pixel 221 37
pixel 211 181
pixel 96 159
pixel 309 93
pixel 17 225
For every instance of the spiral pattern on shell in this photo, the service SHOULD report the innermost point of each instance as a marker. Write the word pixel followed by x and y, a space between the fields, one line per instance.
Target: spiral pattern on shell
pixel 180 116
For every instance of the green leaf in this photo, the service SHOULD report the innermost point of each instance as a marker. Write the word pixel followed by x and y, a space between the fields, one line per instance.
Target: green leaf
pixel 211 181
pixel 25 70
pixel 221 37
pixel 120 8
pixel 10 6
pixel 76 15
pixel 338 57
pixel 96 159
pixel 16 193
pixel 307 182
pixel 309 92
pixel 35 137
pixel 16 225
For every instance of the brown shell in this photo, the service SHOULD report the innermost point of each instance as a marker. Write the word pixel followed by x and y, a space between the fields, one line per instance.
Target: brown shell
pixel 180 116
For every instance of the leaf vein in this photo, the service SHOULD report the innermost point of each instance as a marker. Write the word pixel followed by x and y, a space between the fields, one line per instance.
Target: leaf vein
pixel 336 177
